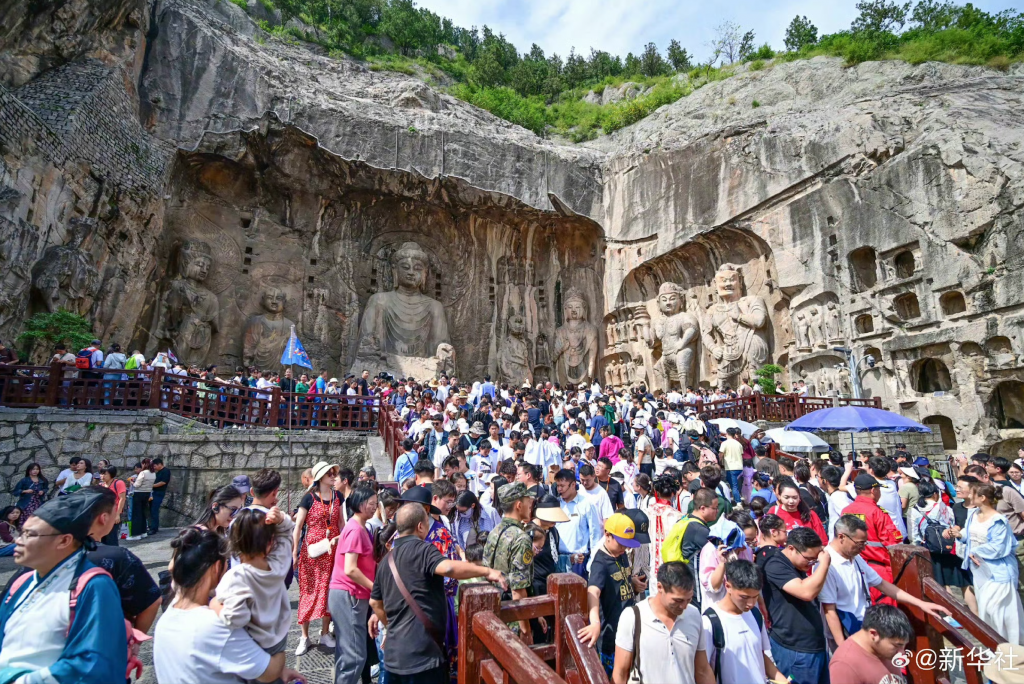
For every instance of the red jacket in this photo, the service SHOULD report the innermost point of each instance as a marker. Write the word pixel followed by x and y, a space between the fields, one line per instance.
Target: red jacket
pixel 882 533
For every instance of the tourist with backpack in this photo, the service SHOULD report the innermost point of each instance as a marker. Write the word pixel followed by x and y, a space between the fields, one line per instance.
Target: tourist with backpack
pixel 88 358
pixel 734 633
pixel 57 622
pixel 660 640
pixel 846 594
pixel 928 520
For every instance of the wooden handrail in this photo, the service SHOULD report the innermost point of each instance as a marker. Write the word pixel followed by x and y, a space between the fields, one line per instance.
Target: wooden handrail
pixel 588 663
pixel 491 672
pixel 522 665
pixel 912 565
pixel 527 608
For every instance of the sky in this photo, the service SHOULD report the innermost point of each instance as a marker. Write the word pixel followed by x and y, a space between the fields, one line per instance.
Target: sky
pixel 622 26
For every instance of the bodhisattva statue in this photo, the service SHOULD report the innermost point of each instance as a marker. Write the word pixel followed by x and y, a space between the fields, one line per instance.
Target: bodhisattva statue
pixel 734 328
pixel 575 341
pixel 188 313
pixel 445 360
pixel 677 334
pixel 266 334
pixel 404 322
pixel 66 274
pixel 514 356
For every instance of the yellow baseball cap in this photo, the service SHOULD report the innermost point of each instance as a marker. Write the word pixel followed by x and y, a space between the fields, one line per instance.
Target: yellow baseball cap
pixel 621 527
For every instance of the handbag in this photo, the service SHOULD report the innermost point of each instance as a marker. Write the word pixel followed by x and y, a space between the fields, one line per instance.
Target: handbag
pixel 317 549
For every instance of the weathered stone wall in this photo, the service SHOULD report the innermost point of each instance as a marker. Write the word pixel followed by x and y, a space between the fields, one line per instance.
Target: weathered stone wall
pixel 200 461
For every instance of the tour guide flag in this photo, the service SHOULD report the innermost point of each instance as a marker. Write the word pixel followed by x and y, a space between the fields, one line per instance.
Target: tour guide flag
pixel 294 353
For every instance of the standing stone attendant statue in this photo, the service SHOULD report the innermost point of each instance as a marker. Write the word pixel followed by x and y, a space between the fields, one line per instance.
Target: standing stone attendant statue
pixel 189 312
pixel 575 353
pixel 267 334
pixel 514 356
pixel 677 334
pixel 404 322
pixel 735 328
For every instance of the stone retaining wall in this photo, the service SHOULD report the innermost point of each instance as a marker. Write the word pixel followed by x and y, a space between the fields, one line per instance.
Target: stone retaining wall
pixel 200 460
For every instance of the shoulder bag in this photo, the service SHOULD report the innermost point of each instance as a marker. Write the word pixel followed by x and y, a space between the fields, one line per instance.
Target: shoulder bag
pixel 431 628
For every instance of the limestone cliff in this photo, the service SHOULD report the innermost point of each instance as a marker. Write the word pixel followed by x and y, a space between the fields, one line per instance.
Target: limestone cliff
pixel 151 150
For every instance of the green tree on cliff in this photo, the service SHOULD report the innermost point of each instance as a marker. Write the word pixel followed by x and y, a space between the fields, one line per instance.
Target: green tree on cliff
pixel 678 56
pixel 651 61
pixel 60 326
pixel 880 15
pixel 800 33
pixel 766 377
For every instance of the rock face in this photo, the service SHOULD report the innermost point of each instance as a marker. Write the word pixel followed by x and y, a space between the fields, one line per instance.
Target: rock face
pixel 780 214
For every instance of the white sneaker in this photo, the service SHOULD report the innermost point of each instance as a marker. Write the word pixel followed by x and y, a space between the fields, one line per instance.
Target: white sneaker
pixel 330 627
pixel 374 670
pixel 302 647
pixel 327 641
pixel 133 538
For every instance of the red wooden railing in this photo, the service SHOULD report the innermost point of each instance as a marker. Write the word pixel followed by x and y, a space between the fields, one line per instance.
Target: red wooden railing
pixel 914 562
pixel 490 652
pixel 392 431
pixel 777 408
pixel 215 403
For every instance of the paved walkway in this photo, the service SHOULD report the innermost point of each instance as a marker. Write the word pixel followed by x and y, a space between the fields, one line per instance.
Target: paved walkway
pixel 155 552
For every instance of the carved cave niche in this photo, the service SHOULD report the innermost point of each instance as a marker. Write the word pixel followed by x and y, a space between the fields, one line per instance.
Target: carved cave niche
pixel 952 303
pixel 942 426
pixel 1007 405
pixel 864 324
pixel 907 306
pixel 1006 449
pixel 863 269
pixel 930 375
pixel 998 345
pixel 824 373
pixel 693 266
pixel 873 352
pixel 972 349
pixel 904 264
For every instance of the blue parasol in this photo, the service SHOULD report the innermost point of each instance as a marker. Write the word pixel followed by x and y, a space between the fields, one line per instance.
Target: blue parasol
pixel 855 419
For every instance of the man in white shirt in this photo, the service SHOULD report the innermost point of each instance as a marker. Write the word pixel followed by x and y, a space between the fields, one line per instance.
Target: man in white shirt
pixel 583 532
pixel 741 630
pixel 445 450
pixel 643 448
pixel 575 439
pixel 672 642
pixel 595 493
pixel 846 594
pixel 498 442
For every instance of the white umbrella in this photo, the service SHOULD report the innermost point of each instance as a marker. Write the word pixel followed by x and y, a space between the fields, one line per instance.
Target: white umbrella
pixel 725 423
pixel 791 441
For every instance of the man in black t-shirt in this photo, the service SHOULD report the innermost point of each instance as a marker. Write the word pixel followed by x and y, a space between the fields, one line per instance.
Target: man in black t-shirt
pixel 791 595
pixel 140 596
pixel 163 479
pixel 410 649
pixel 603 470
pixel 611 587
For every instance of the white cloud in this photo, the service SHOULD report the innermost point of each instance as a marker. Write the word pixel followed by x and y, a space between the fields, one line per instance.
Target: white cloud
pixel 621 26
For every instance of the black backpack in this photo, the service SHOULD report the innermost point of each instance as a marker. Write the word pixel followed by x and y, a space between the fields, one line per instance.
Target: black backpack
pixel 931 536
pixel 718 636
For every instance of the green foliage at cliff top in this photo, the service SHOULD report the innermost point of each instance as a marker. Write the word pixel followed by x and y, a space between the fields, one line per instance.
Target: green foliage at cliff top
pixel 544 93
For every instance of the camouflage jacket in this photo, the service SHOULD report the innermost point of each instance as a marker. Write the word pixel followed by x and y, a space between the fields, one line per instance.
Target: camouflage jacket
pixel 510 549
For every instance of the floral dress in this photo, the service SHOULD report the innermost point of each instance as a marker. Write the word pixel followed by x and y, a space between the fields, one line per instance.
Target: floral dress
pixel 322 520
pixel 28 503
pixel 442 539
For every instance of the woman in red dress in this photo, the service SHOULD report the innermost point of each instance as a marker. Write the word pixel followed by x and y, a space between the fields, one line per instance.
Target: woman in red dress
pixel 320 514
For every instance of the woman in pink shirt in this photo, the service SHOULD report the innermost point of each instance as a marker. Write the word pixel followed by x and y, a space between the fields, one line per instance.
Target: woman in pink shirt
pixel 351 582
pixel 610 445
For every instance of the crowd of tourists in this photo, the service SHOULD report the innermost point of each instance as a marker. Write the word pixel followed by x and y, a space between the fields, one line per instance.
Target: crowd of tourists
pixel 706 558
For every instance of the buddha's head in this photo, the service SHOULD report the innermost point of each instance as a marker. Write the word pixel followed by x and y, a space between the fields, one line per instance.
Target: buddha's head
pixel 410 263
pixel 194 260
pixel 575 306
pixel 274 300
pixel 670 299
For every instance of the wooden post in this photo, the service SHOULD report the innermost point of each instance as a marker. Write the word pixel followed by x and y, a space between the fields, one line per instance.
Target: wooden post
pixel 475 598
pixel 275 406
pixel 918 565
pixel 570 592
pixel 53 390
pixel 156 387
